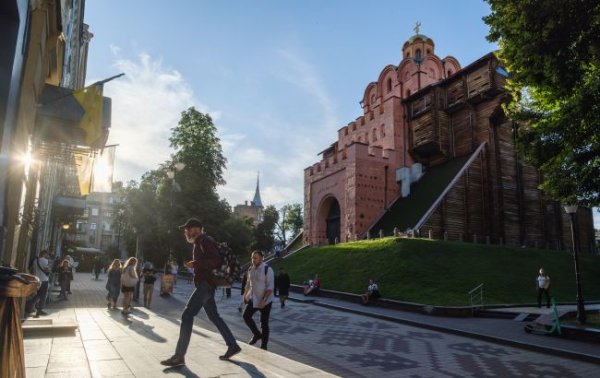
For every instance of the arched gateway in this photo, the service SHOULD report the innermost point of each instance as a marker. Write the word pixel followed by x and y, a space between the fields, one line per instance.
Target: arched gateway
pixel 329 220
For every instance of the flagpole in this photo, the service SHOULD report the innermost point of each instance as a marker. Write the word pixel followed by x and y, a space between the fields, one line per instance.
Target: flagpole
pixel 107 80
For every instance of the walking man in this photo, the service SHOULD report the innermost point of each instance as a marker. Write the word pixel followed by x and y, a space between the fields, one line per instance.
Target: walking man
pixel 259 296
pixel 205 258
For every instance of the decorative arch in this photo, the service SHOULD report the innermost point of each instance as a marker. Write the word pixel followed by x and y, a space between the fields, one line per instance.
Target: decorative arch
pixel 451 64
pixel 389 72
pixel 367 94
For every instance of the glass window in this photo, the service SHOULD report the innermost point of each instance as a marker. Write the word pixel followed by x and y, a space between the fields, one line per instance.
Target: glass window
pixel 94 211
pixel 92 226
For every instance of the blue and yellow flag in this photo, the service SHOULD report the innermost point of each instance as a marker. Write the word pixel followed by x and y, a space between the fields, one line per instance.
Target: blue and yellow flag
pixel 90 99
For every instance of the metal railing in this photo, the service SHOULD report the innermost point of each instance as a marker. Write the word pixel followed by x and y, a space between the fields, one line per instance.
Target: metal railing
pixel 476 297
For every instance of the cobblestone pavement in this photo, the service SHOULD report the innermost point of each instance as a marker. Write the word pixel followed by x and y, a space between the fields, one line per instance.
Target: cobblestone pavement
pixel 352 345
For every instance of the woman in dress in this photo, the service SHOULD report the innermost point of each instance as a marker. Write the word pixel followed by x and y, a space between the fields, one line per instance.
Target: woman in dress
pixel 129 278
pixel 113 283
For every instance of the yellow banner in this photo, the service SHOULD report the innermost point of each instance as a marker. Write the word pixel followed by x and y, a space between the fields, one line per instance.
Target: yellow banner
pixel 90 99
pixel 84 164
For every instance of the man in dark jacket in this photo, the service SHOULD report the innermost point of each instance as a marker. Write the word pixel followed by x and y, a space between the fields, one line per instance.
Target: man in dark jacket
pixel 206 257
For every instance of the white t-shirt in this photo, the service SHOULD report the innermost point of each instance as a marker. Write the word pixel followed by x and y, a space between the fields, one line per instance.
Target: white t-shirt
pixel 543 281
pixel 372 287
pixel 43 263
pixel 258 282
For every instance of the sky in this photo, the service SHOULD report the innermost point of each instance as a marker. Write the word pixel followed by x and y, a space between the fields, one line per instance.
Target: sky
pixel 279 78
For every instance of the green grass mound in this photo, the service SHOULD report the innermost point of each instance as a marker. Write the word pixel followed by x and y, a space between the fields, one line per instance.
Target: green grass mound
pixel 441 273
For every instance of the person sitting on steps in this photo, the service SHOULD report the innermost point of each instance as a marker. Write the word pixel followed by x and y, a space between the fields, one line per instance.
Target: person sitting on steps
pixel 313 286
pixel 371 294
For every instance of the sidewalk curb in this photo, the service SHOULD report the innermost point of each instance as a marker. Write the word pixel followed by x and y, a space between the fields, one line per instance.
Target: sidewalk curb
pixel 536 348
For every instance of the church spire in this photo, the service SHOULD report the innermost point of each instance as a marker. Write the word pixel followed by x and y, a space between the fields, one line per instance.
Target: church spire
pixel 256 201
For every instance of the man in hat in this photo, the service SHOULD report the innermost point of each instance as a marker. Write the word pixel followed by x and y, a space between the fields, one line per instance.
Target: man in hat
pixel 205 258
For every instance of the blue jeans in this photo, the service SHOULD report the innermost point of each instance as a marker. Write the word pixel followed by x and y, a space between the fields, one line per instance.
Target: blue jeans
pixel 203 296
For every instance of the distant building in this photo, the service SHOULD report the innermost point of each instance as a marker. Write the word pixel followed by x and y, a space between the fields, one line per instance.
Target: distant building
pixel 254 210
pixel 433 154
pixel 97 227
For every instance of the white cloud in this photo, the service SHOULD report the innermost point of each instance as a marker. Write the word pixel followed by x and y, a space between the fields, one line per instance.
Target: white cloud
pixel 146 104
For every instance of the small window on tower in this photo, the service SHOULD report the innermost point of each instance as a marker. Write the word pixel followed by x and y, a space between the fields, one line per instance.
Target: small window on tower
pixel 418 54
pixel 389 85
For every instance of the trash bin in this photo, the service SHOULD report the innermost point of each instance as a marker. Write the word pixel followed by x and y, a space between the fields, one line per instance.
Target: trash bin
pixel 13 286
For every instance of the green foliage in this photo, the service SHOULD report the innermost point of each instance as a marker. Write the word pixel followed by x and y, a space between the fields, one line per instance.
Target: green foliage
pixel 441 273
pixel 154 208
pixel 195 139
pixel 264 233
pixel 238 233
pixel 290 222
pixel 552 50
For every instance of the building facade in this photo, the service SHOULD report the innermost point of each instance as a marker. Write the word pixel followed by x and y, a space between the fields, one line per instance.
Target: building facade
pixel 42 114
pixel 433 154
pixel 252 210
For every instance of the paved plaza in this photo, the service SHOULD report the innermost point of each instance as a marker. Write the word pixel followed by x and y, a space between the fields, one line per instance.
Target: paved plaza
pixel 306 340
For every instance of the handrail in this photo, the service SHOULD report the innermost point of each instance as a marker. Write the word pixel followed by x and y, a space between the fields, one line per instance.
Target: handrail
pixel 436 203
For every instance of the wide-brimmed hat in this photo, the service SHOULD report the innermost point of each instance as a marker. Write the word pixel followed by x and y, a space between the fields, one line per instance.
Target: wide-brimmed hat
pixel 192 222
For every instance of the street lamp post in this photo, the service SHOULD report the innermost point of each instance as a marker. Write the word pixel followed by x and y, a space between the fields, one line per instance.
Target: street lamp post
pixel 572 211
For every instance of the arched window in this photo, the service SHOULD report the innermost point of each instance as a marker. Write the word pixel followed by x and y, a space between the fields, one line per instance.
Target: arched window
pixel 372 99
pixel 374 137
pixel 449 73
pixel 382 131
pixel 418 54
pixel 389 85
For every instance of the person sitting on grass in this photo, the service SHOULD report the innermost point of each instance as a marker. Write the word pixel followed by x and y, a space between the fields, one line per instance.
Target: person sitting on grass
pixel 371 294
pixel 313 286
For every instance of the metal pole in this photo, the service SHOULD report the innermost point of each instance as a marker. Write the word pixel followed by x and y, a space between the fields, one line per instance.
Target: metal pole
pixel 575 235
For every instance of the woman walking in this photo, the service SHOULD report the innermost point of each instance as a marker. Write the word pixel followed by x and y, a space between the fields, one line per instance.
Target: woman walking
pixel 129 279
pixel 113 283
pixel 149 279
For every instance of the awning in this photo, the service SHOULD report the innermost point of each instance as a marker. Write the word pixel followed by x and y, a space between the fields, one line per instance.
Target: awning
pixel 89 250
pixel 65 207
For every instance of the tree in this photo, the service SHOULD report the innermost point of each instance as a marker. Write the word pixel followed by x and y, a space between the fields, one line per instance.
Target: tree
pixel 161 201
pixel 552 50
pixel 290 221
pixel 199 148
pixel 264 237
pixel 238 233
